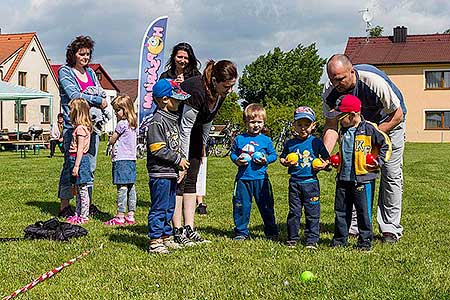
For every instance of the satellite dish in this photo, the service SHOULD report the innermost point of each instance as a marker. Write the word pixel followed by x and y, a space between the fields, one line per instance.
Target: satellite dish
pixel 367 16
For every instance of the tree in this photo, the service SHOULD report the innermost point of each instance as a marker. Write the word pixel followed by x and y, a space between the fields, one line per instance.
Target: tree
pixel 230 110
pixel 282 81
pixel 283 78
pixel 376 31
pixel 447 31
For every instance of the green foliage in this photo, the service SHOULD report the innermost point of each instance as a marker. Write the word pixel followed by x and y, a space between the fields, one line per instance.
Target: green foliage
pixel 230 110
pixel 284 78
pixel 415 268
pixel 447 31
pixel 376 31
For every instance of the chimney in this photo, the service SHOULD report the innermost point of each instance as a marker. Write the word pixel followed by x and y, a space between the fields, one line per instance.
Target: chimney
pixel 400 34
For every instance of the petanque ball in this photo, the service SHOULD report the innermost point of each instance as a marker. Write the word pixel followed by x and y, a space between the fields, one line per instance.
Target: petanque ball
pixel 245 156
pixel 307 276
pixel 258 155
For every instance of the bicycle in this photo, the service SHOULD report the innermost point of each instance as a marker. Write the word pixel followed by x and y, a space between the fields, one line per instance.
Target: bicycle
pixel 220 144
pixel 141 146
pixel 285 134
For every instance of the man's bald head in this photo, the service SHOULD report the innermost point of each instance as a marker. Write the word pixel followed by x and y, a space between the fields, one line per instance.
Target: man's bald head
pixel 341 73
pixel 339 60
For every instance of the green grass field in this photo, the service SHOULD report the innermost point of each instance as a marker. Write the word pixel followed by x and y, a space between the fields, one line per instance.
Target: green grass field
pixel 415 268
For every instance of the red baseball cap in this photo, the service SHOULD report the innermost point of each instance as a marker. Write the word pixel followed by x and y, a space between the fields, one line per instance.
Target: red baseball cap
pixel 348 103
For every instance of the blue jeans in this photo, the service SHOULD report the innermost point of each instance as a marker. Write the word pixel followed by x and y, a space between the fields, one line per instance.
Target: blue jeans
pixel 244 191
pixel 162 196
pixel 304 195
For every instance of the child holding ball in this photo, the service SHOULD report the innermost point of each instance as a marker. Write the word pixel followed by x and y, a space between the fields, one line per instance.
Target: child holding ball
pixel 298 155
pixel 252 152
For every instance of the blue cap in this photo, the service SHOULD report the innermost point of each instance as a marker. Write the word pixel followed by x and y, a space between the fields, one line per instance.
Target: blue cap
pixel 304 112
pixel 169 88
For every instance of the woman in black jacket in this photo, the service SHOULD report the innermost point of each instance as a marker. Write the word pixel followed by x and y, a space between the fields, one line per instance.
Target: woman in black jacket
pixel 208 92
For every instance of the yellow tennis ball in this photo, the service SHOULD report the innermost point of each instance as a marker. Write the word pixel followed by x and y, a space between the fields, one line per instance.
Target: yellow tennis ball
pixel 317 163
pixel 292 157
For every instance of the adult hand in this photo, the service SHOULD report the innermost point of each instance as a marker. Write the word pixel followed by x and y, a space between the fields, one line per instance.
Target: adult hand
pixel 204 150
pixel 184 164
pixel 373 166
pixel 181 176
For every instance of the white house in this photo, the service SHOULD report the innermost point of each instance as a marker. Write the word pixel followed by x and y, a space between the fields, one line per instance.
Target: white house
pixel 23 61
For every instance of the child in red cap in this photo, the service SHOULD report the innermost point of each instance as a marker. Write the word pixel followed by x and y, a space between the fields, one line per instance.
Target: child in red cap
pixel 355 184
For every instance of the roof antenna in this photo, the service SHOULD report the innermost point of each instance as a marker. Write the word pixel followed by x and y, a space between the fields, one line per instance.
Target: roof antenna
pixel 367 17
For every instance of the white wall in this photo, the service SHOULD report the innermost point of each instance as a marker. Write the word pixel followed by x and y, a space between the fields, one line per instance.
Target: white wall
pixel 34 64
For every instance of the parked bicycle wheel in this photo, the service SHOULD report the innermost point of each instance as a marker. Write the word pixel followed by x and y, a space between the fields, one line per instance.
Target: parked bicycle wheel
pixel 223 148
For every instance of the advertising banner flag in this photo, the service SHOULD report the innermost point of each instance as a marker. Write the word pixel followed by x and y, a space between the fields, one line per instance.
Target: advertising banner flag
pixel 150 68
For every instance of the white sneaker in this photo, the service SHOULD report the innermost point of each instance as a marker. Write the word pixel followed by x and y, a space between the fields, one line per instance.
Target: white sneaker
pixel 157 246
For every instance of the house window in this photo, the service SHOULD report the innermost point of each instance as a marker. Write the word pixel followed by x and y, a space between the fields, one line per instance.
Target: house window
pixel 44 82
pixel 45 114
pixel 437 120
pixel 437 79
pixel 23 78
pixel 22 117
pixel 99 76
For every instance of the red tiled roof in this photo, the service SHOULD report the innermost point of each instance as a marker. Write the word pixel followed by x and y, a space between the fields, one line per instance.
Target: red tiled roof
pixel 9 44
pixel 418 49
pixel 128 87
pixel 106 82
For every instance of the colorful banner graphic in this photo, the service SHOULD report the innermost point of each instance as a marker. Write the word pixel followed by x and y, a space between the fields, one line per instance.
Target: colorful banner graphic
pixel 150 68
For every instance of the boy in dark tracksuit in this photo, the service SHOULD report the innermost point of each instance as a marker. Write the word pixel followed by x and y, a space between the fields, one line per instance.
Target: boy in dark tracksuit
pixel 356 176
pixel 252 152
pixel 163 161
pixel 304 188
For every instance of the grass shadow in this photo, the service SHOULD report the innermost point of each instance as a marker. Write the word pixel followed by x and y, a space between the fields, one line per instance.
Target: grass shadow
pixel 47 207
pixel 138 229
pixel 138 240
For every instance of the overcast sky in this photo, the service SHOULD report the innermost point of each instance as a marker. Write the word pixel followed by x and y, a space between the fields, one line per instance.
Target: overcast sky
pixel 232 29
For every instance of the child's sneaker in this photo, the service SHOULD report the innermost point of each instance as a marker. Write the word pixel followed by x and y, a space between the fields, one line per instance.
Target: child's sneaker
pixel 194 236
pixel 72 219
pixel 364 246
pixel 130 220
pixel 76 220
pixel 311 245
pixel 180 238
pixel 157 246
pixel 115 222
pixel 240 238
pixel 291 243
pixel 170 243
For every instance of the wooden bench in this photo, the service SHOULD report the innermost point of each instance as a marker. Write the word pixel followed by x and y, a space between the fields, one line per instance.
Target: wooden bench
pixel 21 145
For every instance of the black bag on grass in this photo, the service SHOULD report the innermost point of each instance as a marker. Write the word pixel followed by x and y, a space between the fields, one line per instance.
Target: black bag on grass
pixel 54 230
